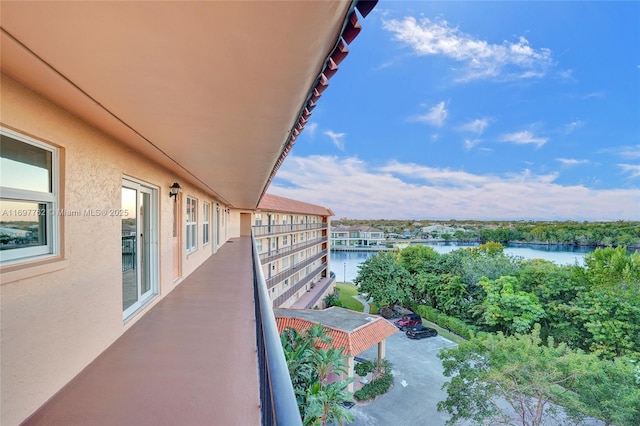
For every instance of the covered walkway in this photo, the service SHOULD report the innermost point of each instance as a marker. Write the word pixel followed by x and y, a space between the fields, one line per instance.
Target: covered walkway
pixel 191 360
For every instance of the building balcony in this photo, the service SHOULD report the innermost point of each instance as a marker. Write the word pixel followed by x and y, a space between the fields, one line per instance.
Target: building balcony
pixel 207 353
pixel 262 230
pixel 294 288
pixel 276 254
pixel 287 273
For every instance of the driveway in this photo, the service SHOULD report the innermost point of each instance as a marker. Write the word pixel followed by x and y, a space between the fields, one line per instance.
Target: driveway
pixel 417 379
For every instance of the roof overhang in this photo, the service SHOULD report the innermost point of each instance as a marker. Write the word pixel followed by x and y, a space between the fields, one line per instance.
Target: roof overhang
pixel 214 91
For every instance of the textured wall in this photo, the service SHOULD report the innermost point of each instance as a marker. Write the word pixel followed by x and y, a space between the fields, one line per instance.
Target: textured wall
pixel 56 318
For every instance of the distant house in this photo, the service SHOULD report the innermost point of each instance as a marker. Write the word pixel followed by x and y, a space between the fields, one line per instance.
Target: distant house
pixel 356 237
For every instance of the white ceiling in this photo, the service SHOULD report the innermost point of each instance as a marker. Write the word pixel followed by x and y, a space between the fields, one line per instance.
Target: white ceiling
pixel 207 89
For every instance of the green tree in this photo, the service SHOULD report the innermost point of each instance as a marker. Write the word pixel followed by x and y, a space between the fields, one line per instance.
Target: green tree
pixel 610 391
pixel 508 308
pixel 310 365
pixel 383 279
pixel 556 287
pixel 416 256
pixel 531 378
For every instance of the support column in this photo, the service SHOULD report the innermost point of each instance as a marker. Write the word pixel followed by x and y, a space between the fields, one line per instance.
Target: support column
pixel 382 350
pixel 351 373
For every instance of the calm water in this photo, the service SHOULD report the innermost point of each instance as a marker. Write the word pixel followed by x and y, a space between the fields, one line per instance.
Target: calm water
pixel 345 264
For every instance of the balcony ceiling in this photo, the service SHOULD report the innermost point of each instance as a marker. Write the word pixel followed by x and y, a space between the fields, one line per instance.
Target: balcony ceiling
pixel 209 90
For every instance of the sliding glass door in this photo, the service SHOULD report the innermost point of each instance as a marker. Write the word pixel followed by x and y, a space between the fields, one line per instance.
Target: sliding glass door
pixel 139 245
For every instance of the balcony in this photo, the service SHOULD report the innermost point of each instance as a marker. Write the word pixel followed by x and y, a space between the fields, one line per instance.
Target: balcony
pixel 287 273
pixel 272 255
pixel 205 354
pixel 262 230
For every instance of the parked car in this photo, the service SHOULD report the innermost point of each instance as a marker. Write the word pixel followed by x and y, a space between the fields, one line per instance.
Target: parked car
pixel 420 332
pixel 407 321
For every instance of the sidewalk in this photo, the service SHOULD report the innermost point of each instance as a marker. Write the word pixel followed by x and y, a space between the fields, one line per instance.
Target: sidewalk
pixel 365 303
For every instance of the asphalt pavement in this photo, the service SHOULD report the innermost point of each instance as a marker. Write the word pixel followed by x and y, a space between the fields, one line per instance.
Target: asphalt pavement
pixel 418 379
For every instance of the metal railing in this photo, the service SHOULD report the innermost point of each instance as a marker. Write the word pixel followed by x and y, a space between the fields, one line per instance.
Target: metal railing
pixel 324 285
pixel 297 286
pixel 277 398
pixel 262 230
pixel 276 254
pixel 281 276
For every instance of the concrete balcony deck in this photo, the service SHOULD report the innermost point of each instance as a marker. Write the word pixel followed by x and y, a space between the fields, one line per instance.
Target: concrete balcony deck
pixel 191 360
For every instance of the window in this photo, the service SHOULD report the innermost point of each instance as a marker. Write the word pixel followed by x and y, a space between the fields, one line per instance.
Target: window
pixel 28 198
pixel 258 219
pixel 284 240
pixel 205 223
pixel 192 224
pixel 259 246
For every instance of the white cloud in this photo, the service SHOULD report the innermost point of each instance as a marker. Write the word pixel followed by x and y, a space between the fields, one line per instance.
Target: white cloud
pixel 436 115
pixel 311 128
pixel 405 190
pixel 597 95
pixel 630 152
pixel 482 59
pixel 571 161
pixel 524 137
pixel 336 138
pixel 475 126
pixel 632 169
pixel 470 143
pixel 571 127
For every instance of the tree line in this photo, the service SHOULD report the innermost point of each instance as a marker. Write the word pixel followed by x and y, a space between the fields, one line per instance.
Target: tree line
pixel 620 233
pixel 528 319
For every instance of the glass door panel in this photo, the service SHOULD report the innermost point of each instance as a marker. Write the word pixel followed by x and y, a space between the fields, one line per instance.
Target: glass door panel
pixel 139 246
pixel 129 249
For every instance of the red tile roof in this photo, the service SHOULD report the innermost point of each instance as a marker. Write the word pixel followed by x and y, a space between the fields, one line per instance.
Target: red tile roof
pixel 274 203
pixel 354 342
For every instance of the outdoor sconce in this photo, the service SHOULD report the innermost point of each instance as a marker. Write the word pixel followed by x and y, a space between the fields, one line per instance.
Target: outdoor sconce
pixel 174 190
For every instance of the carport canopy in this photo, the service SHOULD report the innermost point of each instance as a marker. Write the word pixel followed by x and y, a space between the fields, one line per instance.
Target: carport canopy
pixel 353 331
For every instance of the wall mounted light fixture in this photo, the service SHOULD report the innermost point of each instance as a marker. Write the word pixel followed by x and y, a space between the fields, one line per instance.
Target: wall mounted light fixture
pixel 174 190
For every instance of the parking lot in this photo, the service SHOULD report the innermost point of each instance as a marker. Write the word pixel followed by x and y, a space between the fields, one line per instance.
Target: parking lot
pixel 417 381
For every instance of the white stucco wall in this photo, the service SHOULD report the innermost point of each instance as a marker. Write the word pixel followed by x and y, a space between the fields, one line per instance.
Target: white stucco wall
pixel 57 317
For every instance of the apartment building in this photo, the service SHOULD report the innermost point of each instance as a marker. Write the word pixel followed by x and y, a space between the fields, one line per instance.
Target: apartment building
pixel 345 237
pixel 292 239
pixel 138 139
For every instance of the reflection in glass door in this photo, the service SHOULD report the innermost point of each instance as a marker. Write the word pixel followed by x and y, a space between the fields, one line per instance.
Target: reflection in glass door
pixel 139 246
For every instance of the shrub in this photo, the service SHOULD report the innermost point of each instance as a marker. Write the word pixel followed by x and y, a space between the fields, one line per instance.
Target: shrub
pixel 452 324
pixel 363 368
pixel 377 386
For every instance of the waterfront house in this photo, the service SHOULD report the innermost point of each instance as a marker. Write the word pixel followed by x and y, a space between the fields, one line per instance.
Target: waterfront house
pixel 138 139
pixel 349 237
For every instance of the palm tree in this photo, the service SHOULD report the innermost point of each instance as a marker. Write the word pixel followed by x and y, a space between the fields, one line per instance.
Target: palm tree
pixel 310 366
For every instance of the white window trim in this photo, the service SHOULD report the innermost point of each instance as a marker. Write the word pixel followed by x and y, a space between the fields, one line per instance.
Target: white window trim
pixel 206 229
pixel 192 224
pixel 52 248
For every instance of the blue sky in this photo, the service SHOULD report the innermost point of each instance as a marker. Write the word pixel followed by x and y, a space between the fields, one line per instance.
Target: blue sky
pixel 479 110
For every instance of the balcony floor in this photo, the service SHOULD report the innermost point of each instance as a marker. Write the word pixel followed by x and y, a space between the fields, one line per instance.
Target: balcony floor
pixel 191 360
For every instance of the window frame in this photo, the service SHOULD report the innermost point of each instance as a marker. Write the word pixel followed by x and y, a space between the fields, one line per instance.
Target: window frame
pixel 191 225
pixel 205 223
pixel 50 199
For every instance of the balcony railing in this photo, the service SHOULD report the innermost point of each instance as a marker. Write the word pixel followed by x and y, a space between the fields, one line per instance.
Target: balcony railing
pixel 262 230
pixel 281 276
pixel 297 286
pixel 272 255
pixel 278 401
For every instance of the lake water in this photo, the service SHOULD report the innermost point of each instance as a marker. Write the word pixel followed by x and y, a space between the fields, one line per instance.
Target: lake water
pixel 345 263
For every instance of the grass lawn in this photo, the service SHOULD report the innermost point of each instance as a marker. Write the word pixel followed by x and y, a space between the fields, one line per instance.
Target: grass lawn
pixel 347 291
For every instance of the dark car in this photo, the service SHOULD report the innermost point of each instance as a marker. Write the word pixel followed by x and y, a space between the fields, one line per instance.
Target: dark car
pixel 407 321
pixel 420 332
